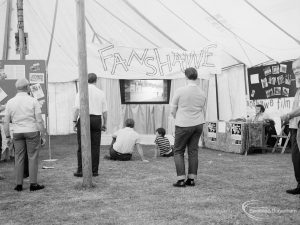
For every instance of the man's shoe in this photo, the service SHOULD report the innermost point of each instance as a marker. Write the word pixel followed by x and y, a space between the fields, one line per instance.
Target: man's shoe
pixel 36 187
pixel 190 182
pixel 19 187
pixel 295 191
pixel 95 174
pixel 77 174
pixel 179 183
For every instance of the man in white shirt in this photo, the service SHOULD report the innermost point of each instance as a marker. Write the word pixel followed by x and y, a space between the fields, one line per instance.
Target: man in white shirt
pixel 98 119
pixel 123 143
pixel 24 113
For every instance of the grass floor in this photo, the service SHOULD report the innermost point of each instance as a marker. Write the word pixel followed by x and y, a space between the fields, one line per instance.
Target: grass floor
pixel 142 193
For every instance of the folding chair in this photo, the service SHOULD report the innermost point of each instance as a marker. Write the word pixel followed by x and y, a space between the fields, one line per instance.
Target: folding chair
pixel 281 136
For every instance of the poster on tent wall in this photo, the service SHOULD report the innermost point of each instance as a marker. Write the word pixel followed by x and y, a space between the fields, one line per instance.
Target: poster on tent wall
pixel 33 70
pixel 118 62
pixel 272 81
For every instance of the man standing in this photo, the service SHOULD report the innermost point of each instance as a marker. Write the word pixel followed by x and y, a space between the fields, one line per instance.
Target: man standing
pixel 98 110
pixel 188 109
pixel 293 119
pixel 24 112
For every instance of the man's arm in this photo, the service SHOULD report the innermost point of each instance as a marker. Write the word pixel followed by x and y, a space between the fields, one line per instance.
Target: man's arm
pixel 104 123
pixel 291 115
pixel 140 151
pixel 40 124
pixel 174 105
pixel 7 120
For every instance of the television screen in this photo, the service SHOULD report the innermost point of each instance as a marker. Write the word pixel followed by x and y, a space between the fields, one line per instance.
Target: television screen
pixel 145 91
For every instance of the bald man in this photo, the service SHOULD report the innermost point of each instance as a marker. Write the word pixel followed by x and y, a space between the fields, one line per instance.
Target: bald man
pixel 293 118
pixel 24 114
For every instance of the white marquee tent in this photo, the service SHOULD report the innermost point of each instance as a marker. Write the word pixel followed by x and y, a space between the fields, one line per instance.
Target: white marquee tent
pixel 249 32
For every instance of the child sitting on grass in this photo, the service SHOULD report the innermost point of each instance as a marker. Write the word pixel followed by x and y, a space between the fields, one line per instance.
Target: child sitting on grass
pixel 163 146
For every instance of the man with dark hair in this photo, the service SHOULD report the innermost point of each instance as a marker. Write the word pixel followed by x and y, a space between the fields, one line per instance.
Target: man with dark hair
pixel 293 118
pixel 123 143
pixel 188 109
pixel 98 119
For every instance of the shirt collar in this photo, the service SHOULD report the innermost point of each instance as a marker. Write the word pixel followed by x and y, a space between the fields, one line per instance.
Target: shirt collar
pixel 192 84
pixel 22 93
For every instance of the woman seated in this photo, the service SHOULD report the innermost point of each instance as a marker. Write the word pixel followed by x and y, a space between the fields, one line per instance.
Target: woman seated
pixel 261 116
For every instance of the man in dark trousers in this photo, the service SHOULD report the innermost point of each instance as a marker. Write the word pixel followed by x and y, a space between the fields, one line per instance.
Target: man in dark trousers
pixel 293 118
pixel 98 119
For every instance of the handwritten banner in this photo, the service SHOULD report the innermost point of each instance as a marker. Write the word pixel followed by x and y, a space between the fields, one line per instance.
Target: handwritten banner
pixel 158 63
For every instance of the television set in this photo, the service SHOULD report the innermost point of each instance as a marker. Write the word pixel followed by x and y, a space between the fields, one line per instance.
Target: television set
pixel 147 91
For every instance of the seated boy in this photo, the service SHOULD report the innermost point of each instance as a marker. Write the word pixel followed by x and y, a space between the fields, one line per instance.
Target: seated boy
pixel 123 143
pixel 163 147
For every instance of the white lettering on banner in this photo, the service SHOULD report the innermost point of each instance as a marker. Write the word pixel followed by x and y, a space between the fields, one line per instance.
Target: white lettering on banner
pixel 118 60
pixel 135 55
pixel 157 62
pixel 103 58
pixel 150 66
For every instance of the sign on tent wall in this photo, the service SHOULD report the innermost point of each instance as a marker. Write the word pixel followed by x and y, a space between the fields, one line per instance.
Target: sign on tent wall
pixel 34 71
pixel 272 81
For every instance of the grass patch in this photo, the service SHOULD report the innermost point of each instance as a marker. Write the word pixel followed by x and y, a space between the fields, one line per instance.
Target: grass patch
pixel 141 193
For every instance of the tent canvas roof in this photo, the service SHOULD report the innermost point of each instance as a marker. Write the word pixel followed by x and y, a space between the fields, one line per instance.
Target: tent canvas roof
pixel 249 31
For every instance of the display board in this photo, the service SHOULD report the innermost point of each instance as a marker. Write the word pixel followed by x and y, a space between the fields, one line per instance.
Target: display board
pixel 272 81
pixel 34 71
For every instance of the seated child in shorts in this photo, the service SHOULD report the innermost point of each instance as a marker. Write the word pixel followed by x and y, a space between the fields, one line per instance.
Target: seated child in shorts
pixel 163 146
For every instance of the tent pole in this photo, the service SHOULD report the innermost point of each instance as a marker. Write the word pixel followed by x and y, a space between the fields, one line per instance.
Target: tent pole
pixel 52 32
pixel 6 31
pixel 21 28
pixel 83 94
pixel 217 96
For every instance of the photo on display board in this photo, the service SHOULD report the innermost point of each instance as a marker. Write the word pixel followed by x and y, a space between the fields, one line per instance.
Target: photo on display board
pixel 285 91
pixel 264 83
pixel 269 93
pixel 273 81
pixel 212 130
pixel 269 80
pixel 280 80
pixel 277 90
pixel 236 131
pixel 36 78
pixel 275 69
pixel 252 93
pixel 37 91
pixel 267 71
pixel 283 68
pixel 288 80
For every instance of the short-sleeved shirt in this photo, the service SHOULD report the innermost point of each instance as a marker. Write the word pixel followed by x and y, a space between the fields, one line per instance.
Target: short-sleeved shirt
pixel 163 144
pixel 293 124
pixel 189 103
pixel 126 139
pixel 97 101
pixel 22 110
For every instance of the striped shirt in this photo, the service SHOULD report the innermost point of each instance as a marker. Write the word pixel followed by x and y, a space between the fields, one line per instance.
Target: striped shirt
pixel 163 145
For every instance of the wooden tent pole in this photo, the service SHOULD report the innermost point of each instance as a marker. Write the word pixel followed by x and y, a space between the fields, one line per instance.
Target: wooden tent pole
pixel 83 94
pixel 21 29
